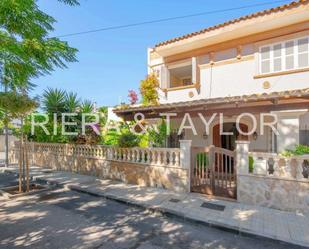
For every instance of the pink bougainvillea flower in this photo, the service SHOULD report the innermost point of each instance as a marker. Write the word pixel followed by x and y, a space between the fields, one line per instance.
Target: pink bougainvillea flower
pixel 133 98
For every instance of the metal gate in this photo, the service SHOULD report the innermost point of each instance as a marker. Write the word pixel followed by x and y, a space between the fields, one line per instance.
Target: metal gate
pixel 213 171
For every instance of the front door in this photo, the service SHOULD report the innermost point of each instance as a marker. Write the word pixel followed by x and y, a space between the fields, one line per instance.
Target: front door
pixel 228 141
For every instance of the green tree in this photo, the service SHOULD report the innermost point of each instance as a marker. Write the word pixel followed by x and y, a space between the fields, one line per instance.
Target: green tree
pixel 148 89
pixel 26 50
pixel 18 106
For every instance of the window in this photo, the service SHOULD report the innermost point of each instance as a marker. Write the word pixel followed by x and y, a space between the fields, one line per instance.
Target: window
pixel 181 76
pixel 277 57
pixel 265 59
pixel 289 55
pixel 284 56
pixel 303 52
pixel 304 137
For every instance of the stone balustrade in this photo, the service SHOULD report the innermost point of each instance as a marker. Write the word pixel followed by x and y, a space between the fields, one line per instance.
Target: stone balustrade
pixel 89 151
pixel 152 156
pixel 274 165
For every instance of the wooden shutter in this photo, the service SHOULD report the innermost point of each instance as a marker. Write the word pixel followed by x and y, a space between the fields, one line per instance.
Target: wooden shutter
pixel 164 75
pixel 194 71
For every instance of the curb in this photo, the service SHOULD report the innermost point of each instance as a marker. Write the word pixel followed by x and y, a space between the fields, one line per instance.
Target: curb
pixel 182 217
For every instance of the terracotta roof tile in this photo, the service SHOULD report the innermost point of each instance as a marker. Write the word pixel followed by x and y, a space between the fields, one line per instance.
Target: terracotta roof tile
pixel 220 100
pixel 242 18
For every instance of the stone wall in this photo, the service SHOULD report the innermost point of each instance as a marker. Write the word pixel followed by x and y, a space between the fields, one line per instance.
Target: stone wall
pixel 276 181
pixel 278 193
pixel 171 177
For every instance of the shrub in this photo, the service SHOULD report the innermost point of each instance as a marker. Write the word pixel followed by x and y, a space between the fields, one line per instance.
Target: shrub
pixel 287 153
pixel 299 150
pixel 251 164
pixel 128 140
pixel 144 141
pixel 148 89
pixel 158 138
pixel 111 137
pixel 202 159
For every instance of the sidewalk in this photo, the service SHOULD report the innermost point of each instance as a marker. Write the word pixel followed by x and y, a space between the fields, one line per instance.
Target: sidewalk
pixel 239 218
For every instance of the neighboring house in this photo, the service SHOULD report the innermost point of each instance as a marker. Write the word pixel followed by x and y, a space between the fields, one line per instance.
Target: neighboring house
pixel 256 63
pixel 111 116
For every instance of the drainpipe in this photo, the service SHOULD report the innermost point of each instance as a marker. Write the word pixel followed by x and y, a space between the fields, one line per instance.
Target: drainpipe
pixel 210 90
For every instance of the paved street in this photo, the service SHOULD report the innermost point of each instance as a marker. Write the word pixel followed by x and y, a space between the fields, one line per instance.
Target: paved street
pixel 65 219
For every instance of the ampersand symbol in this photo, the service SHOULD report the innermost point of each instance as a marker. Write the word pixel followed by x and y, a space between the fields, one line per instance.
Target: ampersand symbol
pixel 138 127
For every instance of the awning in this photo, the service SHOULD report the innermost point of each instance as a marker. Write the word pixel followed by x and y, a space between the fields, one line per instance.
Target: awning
pixel 232 104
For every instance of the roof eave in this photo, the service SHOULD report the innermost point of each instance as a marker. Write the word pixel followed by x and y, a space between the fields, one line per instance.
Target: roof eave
pixel 241 28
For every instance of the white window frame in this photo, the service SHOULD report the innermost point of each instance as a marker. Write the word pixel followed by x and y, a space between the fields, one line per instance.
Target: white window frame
pixel 187 62
pixel 283 55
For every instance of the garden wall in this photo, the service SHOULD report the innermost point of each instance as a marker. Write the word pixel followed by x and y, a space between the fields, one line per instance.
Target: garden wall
pixel 283 194
pixel 276 181
pixel 156 167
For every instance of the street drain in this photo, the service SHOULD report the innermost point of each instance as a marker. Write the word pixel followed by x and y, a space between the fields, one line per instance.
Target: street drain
pixel 48 197
pixel 213 206
pixel 47 171
pixel 174 200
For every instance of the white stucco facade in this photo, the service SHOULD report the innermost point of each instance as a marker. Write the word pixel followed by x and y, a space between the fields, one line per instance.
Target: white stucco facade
pixel 229 76
pixel 271 58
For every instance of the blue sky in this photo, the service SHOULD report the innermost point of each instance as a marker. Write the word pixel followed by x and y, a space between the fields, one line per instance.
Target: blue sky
pixel 112 62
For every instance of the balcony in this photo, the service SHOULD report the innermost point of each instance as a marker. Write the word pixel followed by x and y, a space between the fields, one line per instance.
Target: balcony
pixel 179 75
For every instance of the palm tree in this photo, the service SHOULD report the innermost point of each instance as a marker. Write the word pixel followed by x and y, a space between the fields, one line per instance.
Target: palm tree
pixel 86 107
pixel 54 101
pixel 72 102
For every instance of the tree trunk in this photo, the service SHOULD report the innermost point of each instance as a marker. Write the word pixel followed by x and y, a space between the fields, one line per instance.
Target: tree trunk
pixel 23 164
pixel 6 129
pixel 20 161
pixel 6 145
pixel 27 166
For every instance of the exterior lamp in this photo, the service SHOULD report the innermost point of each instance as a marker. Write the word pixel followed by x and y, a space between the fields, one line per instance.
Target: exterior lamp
pixel 205 135
pixel 255 135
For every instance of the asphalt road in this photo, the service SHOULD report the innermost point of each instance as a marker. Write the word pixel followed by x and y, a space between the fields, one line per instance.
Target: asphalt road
pixel 65 219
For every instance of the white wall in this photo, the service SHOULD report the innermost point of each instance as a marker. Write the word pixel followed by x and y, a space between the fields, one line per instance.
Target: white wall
pixel 234 80
pixel 111 116
pixel 304 121
pixel 237 77
pixel 288 128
